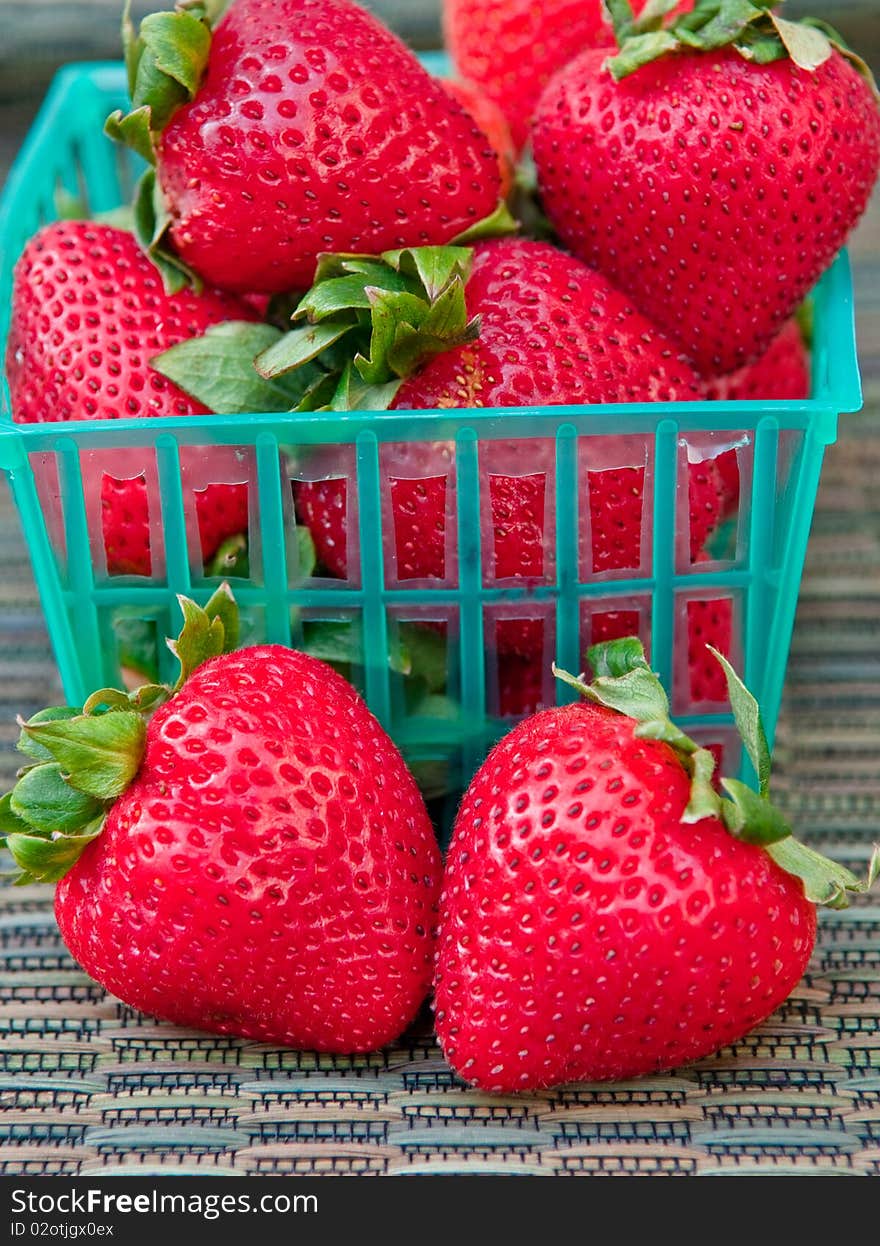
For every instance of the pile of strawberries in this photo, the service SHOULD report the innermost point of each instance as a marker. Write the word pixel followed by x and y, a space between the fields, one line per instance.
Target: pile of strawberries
pixel 322 225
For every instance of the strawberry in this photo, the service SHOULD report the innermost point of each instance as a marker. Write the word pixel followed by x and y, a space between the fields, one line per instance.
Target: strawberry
pixel 550 331
pixel 512 48
pixel 253 860
pixel 520 686
pixel 491 121
pixel 292 128
pixel 713 184
pixel 605 912
pixel 781 373
pixel 88 312
pixel 709 622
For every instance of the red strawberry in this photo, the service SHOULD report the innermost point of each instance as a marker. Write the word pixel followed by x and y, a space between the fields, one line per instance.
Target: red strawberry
pixel 311 129
pixel 520 686
pixel 512 48
pixel 88 313
pixel 713 189
pixel 709 622
pixel 268 870
pixel 491 121
pixel 597 919
pixel 782 372
pixel 552 331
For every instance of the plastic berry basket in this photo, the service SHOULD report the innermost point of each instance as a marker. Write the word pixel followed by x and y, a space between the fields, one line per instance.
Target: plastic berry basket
pixel 755 570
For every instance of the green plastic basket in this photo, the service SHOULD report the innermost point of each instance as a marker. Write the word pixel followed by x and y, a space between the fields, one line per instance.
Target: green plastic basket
pixel 779 448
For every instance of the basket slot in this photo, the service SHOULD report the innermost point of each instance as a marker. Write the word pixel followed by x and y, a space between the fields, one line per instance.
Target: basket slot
pixel 123 523
pixel 704 617
pixel 230 556
pixel 714 470
pixel 337 636
pixel 137 639
pixel 616 484
pixel 220 498
pixel 121 490
pixel 612 618
pixel 324 491
pixel 518 512
pixel 426 641
pixel 521 648
pixel 792 457
pixel 517 686
pixel 418 514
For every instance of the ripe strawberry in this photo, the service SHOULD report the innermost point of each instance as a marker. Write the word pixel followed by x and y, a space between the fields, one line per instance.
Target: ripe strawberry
pixel 266 866
pixel 709 622
pixel 551 331
pixel 711 188
pixel 309 127
pixel 520 686
pixel 598 919
pixel 512 48
pixel 782 372
pixel 88 313
pixel 491 121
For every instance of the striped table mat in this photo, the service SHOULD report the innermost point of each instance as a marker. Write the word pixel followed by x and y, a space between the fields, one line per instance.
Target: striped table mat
pixel 86 1085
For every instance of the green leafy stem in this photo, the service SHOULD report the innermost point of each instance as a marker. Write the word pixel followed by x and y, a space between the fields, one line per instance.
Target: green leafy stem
pixel 754 28
pixel 166 59
pixel 367 324
pixel 623 681
pixel 81 760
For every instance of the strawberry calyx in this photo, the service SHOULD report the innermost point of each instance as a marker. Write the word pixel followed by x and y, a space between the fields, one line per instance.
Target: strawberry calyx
pixel 623 681
pixel 369 322
pixel 81 760
pixel 753 28
pixel 166 59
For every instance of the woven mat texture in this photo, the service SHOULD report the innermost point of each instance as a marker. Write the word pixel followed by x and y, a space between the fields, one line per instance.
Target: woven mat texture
pixel 86 1085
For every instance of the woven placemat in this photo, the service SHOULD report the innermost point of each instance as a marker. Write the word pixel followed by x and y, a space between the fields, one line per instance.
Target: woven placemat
pixel 86 1085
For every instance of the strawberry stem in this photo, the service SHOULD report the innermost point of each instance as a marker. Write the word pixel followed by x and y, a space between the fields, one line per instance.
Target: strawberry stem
pixel 624 682
pixel 369 322
pixel 83 760
pixel 166 60
pixel 753 28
